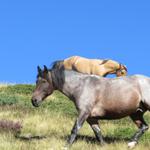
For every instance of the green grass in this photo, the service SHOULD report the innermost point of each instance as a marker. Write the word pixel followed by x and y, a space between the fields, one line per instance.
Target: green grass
pixel 48 126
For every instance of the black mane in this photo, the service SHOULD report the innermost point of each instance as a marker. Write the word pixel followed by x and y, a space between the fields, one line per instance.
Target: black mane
pixel 57 64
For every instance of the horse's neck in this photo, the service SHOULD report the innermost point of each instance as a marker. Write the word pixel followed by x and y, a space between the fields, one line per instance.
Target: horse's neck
pixel 69 83
pixel 111 66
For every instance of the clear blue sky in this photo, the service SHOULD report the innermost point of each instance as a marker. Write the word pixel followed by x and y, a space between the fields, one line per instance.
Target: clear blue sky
pixel 35 32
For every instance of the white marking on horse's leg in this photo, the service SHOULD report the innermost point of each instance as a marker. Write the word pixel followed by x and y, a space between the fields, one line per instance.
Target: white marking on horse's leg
pixel 132 144
pixel 65 148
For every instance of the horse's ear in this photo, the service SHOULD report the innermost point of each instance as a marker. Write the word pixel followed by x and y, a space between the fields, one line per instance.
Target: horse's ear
pixel 39 70
pixel 45 69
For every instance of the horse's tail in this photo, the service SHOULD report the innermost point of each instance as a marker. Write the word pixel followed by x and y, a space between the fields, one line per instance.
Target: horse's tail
pixel 57 64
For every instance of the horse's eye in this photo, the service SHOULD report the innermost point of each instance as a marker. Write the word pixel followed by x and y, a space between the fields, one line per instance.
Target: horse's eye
pixel 44 81
pixel 123 72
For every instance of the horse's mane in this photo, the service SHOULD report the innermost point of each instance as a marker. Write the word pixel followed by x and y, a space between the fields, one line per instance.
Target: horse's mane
pixel 57 64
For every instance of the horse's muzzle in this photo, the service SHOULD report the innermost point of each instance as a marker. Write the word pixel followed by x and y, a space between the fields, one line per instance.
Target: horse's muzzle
pixel 35 103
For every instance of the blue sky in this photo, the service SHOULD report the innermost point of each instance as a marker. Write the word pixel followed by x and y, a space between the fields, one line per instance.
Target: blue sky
pixel 34 32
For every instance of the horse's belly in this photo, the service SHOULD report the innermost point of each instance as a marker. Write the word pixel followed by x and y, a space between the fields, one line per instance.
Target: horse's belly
pixel 116 115
pixel 112 115
pixel 114 112
pixel 117 104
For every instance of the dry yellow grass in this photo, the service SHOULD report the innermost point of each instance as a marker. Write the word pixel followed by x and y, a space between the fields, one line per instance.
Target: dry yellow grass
pixel 55 127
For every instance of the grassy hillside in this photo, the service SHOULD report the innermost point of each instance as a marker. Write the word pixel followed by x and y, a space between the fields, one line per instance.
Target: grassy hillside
pixel 47 127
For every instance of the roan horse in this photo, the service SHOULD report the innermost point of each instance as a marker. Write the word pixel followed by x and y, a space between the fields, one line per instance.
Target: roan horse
pixel 92 66
pixel 97 98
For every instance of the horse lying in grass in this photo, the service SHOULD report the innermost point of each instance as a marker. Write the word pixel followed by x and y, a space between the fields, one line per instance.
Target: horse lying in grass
pixel 97 98
pixel 92 66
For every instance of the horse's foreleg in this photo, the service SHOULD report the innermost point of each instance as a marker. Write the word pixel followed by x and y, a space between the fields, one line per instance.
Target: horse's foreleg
pixel 95 127
pixel 139 121
pixel 78 124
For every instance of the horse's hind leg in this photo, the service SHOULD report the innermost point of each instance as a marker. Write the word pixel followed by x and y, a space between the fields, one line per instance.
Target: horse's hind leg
pixel 95 127
pixel 141 124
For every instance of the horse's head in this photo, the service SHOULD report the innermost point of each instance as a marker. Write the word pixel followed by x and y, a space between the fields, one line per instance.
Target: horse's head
pixel 122 71
pixel 44 86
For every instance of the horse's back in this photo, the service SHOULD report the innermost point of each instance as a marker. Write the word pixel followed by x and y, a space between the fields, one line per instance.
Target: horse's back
pixel 85 65
pixel 81 64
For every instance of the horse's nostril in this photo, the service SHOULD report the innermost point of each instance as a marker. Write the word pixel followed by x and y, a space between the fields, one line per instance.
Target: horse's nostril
pixel 34 102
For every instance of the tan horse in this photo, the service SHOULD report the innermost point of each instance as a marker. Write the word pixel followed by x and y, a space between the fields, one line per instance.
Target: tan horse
pixel 92 66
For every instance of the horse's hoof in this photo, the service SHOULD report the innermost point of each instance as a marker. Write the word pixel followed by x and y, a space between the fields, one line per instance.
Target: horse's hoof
pixel 132 144
pixel 66 147
pixel 103 143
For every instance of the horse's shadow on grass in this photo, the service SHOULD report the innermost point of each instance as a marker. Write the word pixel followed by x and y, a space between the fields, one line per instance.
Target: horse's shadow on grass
pixel 107 139
pixel 86 138
pixel 29 138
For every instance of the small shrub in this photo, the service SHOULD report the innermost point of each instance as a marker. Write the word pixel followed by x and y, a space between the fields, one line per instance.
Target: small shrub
pixel 10 126
pixel 6 99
